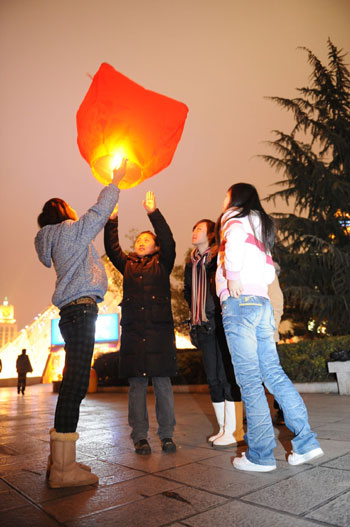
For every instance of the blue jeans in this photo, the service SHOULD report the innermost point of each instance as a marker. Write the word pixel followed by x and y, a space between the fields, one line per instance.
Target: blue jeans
pixel 138 415
pixel 249 328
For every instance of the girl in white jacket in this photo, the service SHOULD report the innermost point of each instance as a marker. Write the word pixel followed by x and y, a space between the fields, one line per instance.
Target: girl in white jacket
pixel 245 269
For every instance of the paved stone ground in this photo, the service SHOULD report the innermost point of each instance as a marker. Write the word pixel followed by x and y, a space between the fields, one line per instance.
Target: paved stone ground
pixel 195 487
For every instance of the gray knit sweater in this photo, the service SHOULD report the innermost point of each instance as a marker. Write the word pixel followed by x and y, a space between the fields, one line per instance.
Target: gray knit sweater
pixel 68 244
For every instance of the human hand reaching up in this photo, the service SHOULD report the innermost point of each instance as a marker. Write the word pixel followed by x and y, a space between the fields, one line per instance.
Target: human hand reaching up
pixel 150 202
pixel 119 173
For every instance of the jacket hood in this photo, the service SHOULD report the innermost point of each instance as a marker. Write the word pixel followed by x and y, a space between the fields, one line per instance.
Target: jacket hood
pixel 44 243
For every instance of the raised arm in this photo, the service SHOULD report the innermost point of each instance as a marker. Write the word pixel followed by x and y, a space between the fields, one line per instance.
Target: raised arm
pixel 84 230
pixel 113 249
pixel 161 228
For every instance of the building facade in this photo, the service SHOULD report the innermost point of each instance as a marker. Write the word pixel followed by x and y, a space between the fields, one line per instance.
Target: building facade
pixel 8 325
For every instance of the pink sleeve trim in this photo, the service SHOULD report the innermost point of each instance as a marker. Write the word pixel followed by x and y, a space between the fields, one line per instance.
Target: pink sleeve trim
pixel 230 223
pixel 254 241
pixel 231 275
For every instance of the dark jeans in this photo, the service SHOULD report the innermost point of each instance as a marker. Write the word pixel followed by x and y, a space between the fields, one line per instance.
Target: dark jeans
pixel 77 326
pixel 21 382
pixel 218 366
pixel 138 415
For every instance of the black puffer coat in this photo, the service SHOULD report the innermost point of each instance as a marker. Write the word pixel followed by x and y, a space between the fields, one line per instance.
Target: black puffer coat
pixel 147 339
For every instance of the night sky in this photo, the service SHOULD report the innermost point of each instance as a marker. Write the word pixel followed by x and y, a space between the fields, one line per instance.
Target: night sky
pixel 220 58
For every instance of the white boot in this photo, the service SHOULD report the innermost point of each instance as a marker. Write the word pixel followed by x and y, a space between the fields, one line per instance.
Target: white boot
pixel 65 472
pixel 219 409
pixel 49 459
pixel 233 429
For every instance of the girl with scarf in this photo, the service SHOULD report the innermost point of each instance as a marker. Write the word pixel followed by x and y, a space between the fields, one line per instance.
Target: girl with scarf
pixel 208 335
pixel 245 235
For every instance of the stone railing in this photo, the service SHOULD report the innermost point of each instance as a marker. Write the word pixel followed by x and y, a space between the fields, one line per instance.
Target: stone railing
pixel 342 371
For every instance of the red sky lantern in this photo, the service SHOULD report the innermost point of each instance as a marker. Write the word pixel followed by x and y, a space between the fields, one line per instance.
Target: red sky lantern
pixel 119 118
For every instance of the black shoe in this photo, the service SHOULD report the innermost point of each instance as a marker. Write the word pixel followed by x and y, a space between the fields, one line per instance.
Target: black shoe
pixel 142 447
pixel 168 445
pixel 279 418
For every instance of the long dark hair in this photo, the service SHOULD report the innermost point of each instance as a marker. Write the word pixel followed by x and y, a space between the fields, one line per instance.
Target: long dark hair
pixel 210 230
pixel 245 197
pixel 54 211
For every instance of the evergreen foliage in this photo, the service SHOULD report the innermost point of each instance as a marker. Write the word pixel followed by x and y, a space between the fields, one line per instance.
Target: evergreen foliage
pixel 179 305
pixel 313 246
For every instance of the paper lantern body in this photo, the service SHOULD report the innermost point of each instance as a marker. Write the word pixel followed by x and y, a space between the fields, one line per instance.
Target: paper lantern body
pixel 119 118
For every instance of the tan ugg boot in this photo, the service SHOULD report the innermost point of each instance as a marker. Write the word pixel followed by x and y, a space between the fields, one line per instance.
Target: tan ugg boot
pixel 219 409
pixel 49 459
pixel 65 472
pixel 239 432
pixel 233 430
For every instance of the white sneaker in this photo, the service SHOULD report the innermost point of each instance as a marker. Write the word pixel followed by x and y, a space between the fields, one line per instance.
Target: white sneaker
pixel 299 459
pixel 242 463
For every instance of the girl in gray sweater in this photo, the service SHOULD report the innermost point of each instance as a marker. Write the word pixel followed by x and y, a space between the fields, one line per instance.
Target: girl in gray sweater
pixel 81 283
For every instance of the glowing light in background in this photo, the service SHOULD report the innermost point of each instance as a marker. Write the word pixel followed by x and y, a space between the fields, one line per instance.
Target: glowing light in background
pixel 36 337
pixel 344 220
pixel 119 118
pixel 183 341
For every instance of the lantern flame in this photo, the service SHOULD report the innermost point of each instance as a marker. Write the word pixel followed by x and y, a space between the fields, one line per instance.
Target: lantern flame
pixel 120 119
pixel 117 161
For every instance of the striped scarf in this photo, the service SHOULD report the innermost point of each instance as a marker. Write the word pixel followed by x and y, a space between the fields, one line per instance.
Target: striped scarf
pixel 199 286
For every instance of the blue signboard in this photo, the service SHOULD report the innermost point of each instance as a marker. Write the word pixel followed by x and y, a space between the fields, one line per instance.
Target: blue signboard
pixel 107 329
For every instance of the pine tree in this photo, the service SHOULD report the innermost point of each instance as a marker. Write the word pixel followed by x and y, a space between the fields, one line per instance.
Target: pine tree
pixel 313 246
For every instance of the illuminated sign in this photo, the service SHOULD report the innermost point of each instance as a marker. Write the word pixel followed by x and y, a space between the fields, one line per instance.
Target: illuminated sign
pixel 107 329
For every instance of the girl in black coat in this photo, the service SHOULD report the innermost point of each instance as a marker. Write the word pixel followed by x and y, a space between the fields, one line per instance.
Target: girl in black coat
pixel 209 336
pixel 147 340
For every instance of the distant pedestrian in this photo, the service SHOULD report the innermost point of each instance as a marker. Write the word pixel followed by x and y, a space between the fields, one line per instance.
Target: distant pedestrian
pixel 23 366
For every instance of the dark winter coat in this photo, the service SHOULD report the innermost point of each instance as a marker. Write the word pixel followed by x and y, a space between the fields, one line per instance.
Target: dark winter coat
pixel 147 339
pixel 23 364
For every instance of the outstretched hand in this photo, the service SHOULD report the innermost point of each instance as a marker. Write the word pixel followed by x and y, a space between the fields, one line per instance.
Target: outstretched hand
pixel 119 173
pixel 150 202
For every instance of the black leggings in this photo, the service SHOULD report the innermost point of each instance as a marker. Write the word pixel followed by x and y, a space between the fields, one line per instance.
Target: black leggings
pixel 218 365
pixel 77 326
